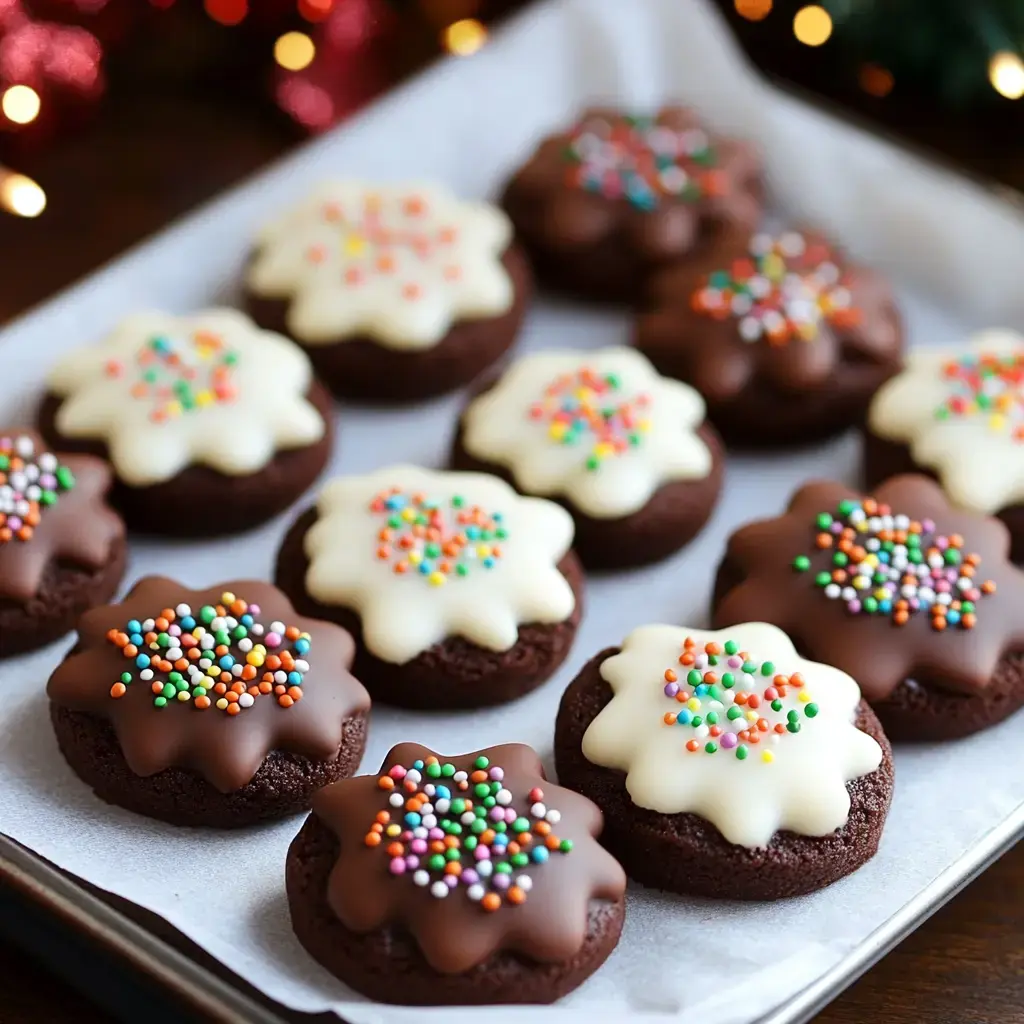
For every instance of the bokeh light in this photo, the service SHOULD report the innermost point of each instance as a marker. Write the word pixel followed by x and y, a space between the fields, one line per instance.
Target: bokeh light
pixel 294 51
pixel 812 25
pixel 1006 73
pixel 21 195
pixel 464 37
pixel 21 104
pixel 753 10
pixel 876 80
pixel 227 12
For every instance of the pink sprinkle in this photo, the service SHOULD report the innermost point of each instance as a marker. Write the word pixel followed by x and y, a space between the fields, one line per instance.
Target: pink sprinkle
pixel 397 772
pixel 253 609
pixel 500 881
pixel 928 525
pixel 497 814
pixel 482 852
pixel 854 606
pixel 451 881
pixel 419 846
pixel 14 522
pixel 412 863
pixel 469 877
pixel 942 543
pixel 728 740
pixel 174 629
pixel 435 833
pixel 735 661
pixel 671 689
pixel 942 586
pixel 47 481
pixel 510 814
pixel 397 866
pixel 272 639
pixel 771 693
pixel 497 774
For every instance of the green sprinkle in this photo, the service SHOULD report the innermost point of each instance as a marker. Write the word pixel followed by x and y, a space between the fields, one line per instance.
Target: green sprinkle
pixel 776 705
pixel 503 868
pixel 481 762
pixel 519 860
pixel 126 678
pixel 731 647
pixel 565 845
pixel 469 843
pixel 768 668
pixel 169 690
pixel 65 477
pixel 811 710
pixel 711 718
pixel 454 853
pixel 741 753
pixel 801 563
pixel 458 501
pixel 481 789
pixel 793 726
pixel 207 614
pixel 447 769
pixel 160 702
pixel 436 862
pixel 728 679
pixel 696 721
pixel 733 713
pixel 823 579
pixel 693 677
pixel 823 520
pixel 710 748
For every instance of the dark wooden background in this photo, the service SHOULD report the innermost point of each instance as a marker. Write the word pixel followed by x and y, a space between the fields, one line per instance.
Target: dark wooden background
pixel 172 133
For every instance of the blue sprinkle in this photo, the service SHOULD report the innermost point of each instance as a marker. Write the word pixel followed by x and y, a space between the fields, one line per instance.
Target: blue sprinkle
pixel 885 606
pixel 302 646
pixel 683 717
pixel 488 562
pixel 442 793
pixel 497 517
pixel 539 854
pixel 134 626
pixel 395 501
pixel 226 662
pixel 412 819
pixel 294 678
pixel 701 689
pixel 188 623
pixel 246 620
pixel 142 661
pixel 418 765
pixel 472 532
pixel 136 638
pixel 426 568
pixel 952 617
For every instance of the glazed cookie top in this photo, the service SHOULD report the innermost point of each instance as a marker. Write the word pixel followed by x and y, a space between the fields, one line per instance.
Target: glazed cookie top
pixel 784 308
pixel 601 428
pixel 900 585
pixel 473 855
pixel 52 508
pixel 654 178
pixel 961 412
pixel 165 392
pixel 768 740
pixel 422 556
pixel 213 680
pixel 400 263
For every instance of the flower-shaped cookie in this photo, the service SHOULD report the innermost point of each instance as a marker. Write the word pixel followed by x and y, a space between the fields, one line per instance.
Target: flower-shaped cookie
pixel 600 204
pixel 164 392
pixel 732 726
pixel 894 587
pixel 526 886
pixel 422 556
pixel 400 263
pixel 601 429
pixel 960 411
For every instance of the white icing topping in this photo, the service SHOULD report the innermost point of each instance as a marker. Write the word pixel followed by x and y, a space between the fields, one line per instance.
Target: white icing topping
pixel 978 453
pixel 523 426
pixel 405 611
pixel 401 263
pixel 165 392
pixel 801 788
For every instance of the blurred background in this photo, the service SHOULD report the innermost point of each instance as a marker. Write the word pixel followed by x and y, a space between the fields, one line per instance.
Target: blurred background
pixel 118 115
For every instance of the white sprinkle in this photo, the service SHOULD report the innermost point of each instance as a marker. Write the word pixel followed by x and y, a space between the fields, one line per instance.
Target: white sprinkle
pixel 525 882
pixel 429 821
pixel 553 816
pixel 413 776
pixel 146 675
pixel 460 776
pixel 246 700
pixel 217 624
pixel 245 645
pixel 173 653
pixel 538 810
pixel 24 446
pixel 701 731
pixel 301 665
pixel 832 591
pixel 484 869
pixel 475 892
pixel 419 832
pixel 503 797
pixel 421 877
pixel 183 610
pixel 442 805
pixel 468 818
pixel 206 642
pixel 277 627
pixel 396 799
pixel 47 462
pixel 439 890
pixel 236 669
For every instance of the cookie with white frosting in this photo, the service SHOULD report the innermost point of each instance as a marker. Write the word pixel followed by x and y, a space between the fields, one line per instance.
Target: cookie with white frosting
pixel 459 592
pixel 210 424
pixel 957 414
pixel 624 449
pixel 725 764
pixel 398 292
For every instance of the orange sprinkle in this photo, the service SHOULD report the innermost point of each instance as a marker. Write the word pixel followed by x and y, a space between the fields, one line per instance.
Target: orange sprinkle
pixel 491 901
pixel 372 839
pixel 386 782
pixel 516 895
pixel 118 690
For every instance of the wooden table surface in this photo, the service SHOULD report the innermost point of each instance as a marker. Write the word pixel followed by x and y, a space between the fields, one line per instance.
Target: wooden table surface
pixel 151 157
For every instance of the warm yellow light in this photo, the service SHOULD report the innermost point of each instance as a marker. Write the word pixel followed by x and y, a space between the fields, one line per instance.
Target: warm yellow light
pixel 464 37
pixel 21 104
pixel 753 10
pixel 812 25
pixel 21 195
pixel 294 51
pixel 1006 73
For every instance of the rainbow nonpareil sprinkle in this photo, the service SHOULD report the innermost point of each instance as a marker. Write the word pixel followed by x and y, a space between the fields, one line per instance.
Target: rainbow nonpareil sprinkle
pixel 642 161
pixel 885 563
pixel 448 828
pixel 731 703
pixel 988 387
pixel 218 656
pixel 31 481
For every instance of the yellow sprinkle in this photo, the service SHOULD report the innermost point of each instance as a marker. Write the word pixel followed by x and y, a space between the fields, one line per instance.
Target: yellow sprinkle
pixel 881 595
pixel 184 695
pixel 254 659
pixel 221 704
pixel 436 578
pixel 583 393
pixel 408 514
pixel 173 408
pixel 603 449
pixel 862 526
pixel 871 560
pixel 259 649
pixel 750 716
pixel 213 671
pixel 644 426
pixel 227 597
pixel 415 557
pixel 557 431
pixel 393 830
pixel 767 756
pixel 773 266
pixel 204 398
pixel 354 245
pixel 861 582
pixel 693 704
pixel 804 696
pixel 996 422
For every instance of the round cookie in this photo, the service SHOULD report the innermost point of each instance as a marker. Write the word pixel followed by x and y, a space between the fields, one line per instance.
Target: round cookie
pixel 212 426
pixel 957 414
pixel 397 292
pixel 785 339
pixel 777 784
pixel 912 597
pixel 602 205
pixel 525 920
pixel 626 451
pixel 459 592
pixel 247 733
pixel 62 548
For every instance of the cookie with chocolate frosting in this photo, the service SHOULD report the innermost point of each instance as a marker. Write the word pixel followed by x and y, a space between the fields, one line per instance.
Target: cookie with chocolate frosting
pixel 725 764
pixel 626 451
pixel 602 204
pixel 459 592
pixel 913 597
pixel 62 548
pixel 218 707
pixel 471 879
pixel 957 413
pixel 786 340
pixel 397 292
pixel 211 425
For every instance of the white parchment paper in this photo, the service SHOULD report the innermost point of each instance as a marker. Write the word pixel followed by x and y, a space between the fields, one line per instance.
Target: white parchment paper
pixel 955 250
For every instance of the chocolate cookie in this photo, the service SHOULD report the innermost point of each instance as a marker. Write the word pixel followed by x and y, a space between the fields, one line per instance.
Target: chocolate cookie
pixel 957 414
pixel 602 205
pixel 786 341
pixel 398 293
pixel 62 548
pixel 470 879
pixel 211 425
pixel 459 592
pixel 777 784
pixel 218 707
pixel 911 596
pixel 626 451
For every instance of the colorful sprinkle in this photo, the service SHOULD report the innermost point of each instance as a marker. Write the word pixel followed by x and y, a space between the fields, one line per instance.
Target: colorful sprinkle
pixel 782 292
pixel 590 405
pixel 731 703
pixel 178 376
pixel 384 240
pixel 436 539
pixel 986 386
pixel 218 656
pixel 891 565
pixel 641 161
pixel 447 828
pixel 30 483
